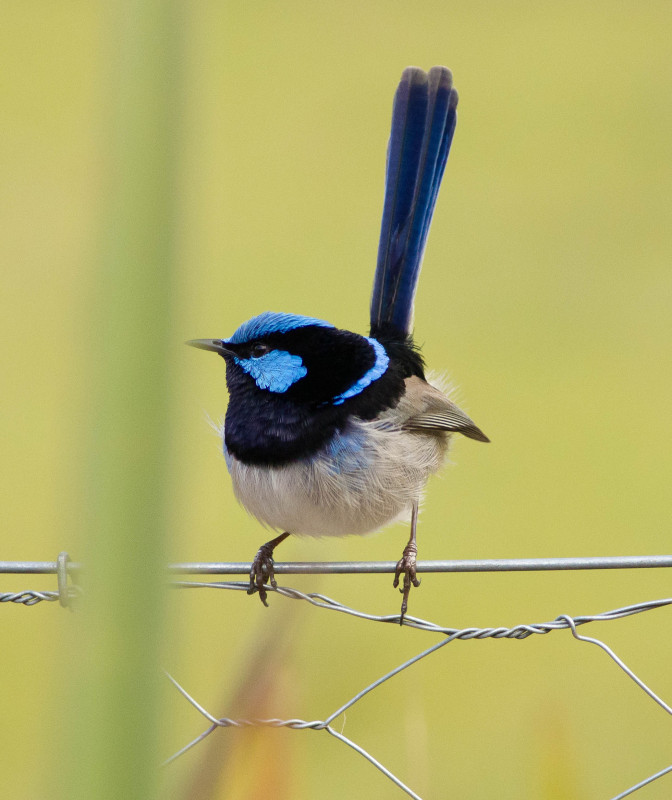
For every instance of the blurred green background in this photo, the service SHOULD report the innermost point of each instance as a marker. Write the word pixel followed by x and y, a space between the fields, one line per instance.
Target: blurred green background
pixel 545 294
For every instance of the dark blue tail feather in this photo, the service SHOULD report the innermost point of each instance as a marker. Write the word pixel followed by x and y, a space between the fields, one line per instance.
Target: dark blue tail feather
pixel 423 122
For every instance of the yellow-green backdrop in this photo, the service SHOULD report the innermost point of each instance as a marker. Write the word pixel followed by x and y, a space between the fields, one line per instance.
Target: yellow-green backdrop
pixel 546 295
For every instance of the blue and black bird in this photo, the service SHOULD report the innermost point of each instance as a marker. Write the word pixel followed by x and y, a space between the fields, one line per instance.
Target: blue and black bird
pixel 328 432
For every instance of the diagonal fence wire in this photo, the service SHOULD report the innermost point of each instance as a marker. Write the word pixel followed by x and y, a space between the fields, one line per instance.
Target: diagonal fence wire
pixel 562 622
pixel 64 569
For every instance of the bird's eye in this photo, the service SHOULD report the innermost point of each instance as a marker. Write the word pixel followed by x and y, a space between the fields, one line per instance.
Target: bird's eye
pixel 258 349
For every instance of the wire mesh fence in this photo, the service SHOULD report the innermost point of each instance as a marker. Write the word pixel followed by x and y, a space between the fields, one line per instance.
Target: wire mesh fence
pixel 67 590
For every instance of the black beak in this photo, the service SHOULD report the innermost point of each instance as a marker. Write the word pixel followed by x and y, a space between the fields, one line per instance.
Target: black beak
pixel 216 345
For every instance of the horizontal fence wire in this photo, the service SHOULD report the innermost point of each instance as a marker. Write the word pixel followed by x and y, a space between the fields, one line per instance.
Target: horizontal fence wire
pixel 65 569
pixel 366 567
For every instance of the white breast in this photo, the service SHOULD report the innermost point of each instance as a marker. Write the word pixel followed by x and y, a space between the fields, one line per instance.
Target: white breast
pixel 368 476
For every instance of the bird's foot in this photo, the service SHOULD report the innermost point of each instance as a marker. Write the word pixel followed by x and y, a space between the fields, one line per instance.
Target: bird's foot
pixel 406 566
pixel 262 572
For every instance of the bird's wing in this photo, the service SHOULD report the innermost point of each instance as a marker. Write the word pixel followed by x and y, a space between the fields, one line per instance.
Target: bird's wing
pixel 452 419
pixel 423 122
pixel 430 409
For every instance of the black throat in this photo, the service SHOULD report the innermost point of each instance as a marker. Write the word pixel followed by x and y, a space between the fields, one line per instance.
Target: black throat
pixel 273 429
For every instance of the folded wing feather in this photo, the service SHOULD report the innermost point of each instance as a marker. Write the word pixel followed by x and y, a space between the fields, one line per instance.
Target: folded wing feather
pixel 432 410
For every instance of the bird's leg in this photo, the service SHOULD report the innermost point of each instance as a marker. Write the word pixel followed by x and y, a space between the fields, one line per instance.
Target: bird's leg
pixel 406 564
pixel 262 568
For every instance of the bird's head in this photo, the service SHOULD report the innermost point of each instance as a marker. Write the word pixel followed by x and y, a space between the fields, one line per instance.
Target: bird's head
pixel 297 358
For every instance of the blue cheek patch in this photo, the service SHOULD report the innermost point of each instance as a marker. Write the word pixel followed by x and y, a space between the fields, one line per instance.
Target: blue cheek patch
pixel 378 369
pixel 275 371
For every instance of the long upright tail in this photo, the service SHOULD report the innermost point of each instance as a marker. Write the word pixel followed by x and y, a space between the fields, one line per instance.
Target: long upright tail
pixel 423 122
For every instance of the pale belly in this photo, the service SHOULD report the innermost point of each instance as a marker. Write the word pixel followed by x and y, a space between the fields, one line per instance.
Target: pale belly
pixel 364 479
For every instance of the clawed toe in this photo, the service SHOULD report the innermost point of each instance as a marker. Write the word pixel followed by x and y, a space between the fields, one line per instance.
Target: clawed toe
pixel 262 572
pixel 406 566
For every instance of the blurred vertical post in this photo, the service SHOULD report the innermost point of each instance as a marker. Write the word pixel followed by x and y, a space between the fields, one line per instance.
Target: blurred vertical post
pixel 115 700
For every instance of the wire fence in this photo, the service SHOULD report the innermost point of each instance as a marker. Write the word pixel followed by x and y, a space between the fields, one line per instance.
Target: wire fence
pixel 67 591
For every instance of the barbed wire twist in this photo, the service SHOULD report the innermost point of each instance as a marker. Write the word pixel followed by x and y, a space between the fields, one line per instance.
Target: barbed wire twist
pixel 28 597
pixel 62 567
